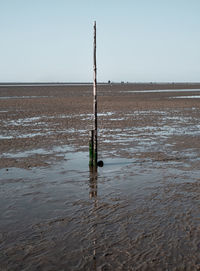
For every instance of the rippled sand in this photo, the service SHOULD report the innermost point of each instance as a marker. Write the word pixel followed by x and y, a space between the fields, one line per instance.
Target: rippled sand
pixel 141 211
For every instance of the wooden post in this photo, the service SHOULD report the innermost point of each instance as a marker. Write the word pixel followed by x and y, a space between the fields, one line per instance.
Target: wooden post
pixel 95 152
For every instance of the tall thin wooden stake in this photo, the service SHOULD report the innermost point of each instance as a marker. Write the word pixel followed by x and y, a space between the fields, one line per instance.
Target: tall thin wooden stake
pixel 95 102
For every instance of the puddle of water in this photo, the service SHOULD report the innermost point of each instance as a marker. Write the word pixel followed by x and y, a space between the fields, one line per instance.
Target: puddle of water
pixel 23 97
pixel 178 118
pixel 30 135
pixel 161 90
pixel 147 112
pixel 24 154
pixel 40 151
pixel 33 135
pixel 117 119
pixel 115 163
pixel 186 97
pixel 105 114
pixel 73 163
pixel 72 130
pixel 25 121
pixel 6 137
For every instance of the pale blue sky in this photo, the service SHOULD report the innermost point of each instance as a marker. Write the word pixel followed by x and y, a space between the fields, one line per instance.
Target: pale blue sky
pixel 137 40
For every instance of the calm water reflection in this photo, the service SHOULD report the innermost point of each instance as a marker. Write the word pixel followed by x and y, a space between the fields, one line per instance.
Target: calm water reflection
pixel 93 196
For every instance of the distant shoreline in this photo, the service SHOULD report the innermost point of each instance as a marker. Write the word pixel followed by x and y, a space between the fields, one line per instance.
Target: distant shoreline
pixel 42 84
pixel 104 83
pixel 136 85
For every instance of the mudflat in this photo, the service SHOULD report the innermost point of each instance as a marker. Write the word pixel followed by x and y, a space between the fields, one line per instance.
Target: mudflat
pixel 139 212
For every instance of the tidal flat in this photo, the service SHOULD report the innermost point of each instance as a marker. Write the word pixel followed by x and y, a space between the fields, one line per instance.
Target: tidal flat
pixel 141 211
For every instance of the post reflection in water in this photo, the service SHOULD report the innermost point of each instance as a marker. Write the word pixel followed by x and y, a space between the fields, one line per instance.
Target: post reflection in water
pixel 93 183
pixel 93 196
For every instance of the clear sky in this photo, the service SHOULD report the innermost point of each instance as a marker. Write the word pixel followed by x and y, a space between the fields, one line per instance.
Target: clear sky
pixel 137 40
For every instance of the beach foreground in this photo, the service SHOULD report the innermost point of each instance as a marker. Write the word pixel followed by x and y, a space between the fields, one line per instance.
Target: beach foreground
pixel 140 211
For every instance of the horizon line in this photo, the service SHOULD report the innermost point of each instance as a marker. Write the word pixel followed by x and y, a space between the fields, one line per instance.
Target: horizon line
pixel 90 83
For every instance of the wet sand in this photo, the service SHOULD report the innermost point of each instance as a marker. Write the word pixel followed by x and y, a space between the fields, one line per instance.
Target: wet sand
pixel 140 211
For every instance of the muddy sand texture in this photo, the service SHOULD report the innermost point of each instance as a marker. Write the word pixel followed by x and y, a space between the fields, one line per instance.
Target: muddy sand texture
pixel 141 212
